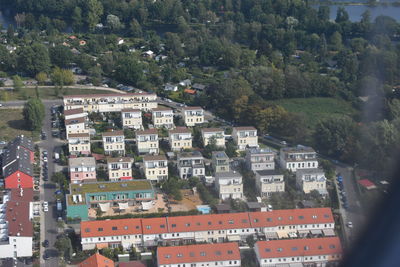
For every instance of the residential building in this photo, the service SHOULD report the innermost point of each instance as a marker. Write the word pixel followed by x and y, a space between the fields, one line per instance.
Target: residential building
pixel 299 157
pixel 97 260
pixel 163 117
pixel 149 232
pixel 258 159
pixel 170 87
pixel 147 141
pixel 199 87
pixel 311 179
pixel 220 162
pixel 119 168
pixel 114 141
pixel 191 164
pixel 221 254
pixel 269 181
pixel 298 252
pixel 111 102
pixel 22 142
pixel 245 137
pixel 180 138
pixel 76 126
pixel 105 195
pixel 213 133
pixel 79 144
pixel 74 113
pixel 193 116
pixel 229 185
pixel 16 234
pixel 155 167
pixel 132 118
pixel 82 169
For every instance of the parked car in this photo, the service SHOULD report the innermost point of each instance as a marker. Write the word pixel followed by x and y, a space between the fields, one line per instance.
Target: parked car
pixel 46 243
pixel 350 224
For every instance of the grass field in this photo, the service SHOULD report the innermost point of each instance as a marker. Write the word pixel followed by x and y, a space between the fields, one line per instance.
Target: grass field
pixel 50 93
pixel 12 124
pixel 317 108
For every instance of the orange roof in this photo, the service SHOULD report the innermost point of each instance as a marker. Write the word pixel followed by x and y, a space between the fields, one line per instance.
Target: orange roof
pixel 111 227
pixel 154 226
pixel 299 247
pixel 198 253
pixel 208 222
pixel 97 260
pixel 291 217
pixel 190 91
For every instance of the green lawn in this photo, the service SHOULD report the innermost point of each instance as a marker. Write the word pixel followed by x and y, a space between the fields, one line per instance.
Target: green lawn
pixel 317 108
pixel 50 93
pixel 12 124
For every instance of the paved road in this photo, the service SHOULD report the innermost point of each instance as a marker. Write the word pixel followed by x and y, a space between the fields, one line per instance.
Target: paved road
pixel 49 228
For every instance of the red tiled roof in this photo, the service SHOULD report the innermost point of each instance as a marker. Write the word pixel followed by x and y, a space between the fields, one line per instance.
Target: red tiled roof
pixel 297 247
pixel 161 108
pixel 154 157
pixel 106 95
pixel 245 128
pixel 105 228
pixel 17 213
pixel 148 131
pixel 198 253
pixel 98 156
pixel 113 133
pixel 97 260
pixel 73 111
pixel 180 130
pixel 190 91
pixel 154 226
pixel 367 183
pixel 132 264
pixel 193 108
pixel 130 110
pixel 211 130
pixel 291 217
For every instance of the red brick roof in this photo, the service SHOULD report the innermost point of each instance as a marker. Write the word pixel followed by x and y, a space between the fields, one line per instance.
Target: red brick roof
pixel 161 108
pixel 97 260
pixel 113 133
pixel 367 183
pixel 198 253
pixel 180 130
pixel 73 111
pixel 245 128
pixel 193 108
pixel 105 228
pixel 17 213
pixel 154 157
pixel 211 130
pixel 131 110
pixel 154 226
pixel 299 247
pixel 148 131
pixel 106 95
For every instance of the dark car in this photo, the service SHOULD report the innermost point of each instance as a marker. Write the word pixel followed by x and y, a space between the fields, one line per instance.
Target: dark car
pixel 28 261
pixel 46 243
pixel 46 256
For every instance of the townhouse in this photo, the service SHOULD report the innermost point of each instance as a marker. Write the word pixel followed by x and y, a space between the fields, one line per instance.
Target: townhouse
pixel 298 252
pixel 163 117
pixel 220 162
pixel 111 102
pixel 229 185
pixel 76 126
pixel 79 144
pixel 245 137
pixel 191 164
pixel 311 179
pixel 82 169
pixel 269 181
pixel 258 159
pixel 148 232
pixel 16 233
pixel 222 254
pixel 97 260
pixel 147 141
pixel 74 113
pixel 106 195
pixel 193 116
pixel 299 157
pixel 132 118
pixel 216 134
pixel 155 167
pixel 114 142
pixel 17 168
pixel 119 168
pixel 180 138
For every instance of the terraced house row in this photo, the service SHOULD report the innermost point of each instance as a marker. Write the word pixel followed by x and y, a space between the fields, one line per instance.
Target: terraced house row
pixel 148 232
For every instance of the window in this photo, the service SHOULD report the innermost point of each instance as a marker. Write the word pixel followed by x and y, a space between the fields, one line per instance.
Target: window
pixel 202 253
pixel 306 248
pixel 230 252
pixel 148 227
pixel 114 228
pixel 167 256
pixel 209 223
pixel 173 225
pixel 332 246
pixel 301 217
pixel 294 248
pixel 269 219
pixel 191 254
pixel 319 247
pixel 220 222
pixel 162 226
pixel 267 250
pixel 244 221
pixel 230 222
pixel 279 249
pixel 87 230
pixel 100 229
pixel 217 252
pixel 188 224
pixel 126 227
pixel 180 255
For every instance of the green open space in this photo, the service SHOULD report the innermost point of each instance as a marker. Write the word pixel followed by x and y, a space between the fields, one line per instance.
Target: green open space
pixel 317 108
pixel 50 93
pixel 12 124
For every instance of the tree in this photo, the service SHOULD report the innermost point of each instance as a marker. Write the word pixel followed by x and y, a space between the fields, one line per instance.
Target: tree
pixel 4 96
pixel 18 84
pixel 77 20
pixel 129 70
pixel 114 23
pixel 94 11
pixel 62 77
pixel 33 59
pixel 61 56
pixel 135 29
pixel 33 113
pixel 41 78
pixel 64 246
pixel 336 41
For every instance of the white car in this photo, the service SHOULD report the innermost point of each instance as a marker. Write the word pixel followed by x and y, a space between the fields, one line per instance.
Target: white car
pixel 45 209
pixel 45 159
pixel 45 204
pixel 350 224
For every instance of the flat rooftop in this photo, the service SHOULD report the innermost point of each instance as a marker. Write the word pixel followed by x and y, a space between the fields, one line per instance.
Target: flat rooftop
pixel 93 187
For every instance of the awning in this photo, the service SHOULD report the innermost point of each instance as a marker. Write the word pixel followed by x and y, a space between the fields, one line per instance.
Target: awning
pixel 271 235
pixel 147 205
pixel 234 238
pixel 329 232
pixel 282 234
pixel 101 245
pixel 292 234
pixel 303 233
pixel 104 206
pixel 123 206
pixel 316 232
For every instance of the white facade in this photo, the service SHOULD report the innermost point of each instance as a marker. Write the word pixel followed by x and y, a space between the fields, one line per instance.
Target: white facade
pixel 79 144
pixel 147 141
pixel 132 118
pixel 163 117
pixel 155 168
pixel 17 246
pixel 180 139
pixel 120 168
pixel 260 159
pixel 311 179
pixel 76 126
pixel 268 182
pixel 193 116
pixel 114 142
pixel 229 185
pixel 300 157
pixel 245 137
pixel 217 134
pixel 191 164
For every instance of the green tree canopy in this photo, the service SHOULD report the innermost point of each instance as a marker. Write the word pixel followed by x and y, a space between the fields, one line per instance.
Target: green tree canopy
pixel 33 113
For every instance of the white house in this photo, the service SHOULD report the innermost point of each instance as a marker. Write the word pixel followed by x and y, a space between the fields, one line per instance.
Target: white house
pixel 155 167
pixel 311 179
pixel 245 137
pixel 180 138
pixel 191 164
pixel 258 159
pixel 299 157
pixel 229 185
pixel 269 181
pixel 170 87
